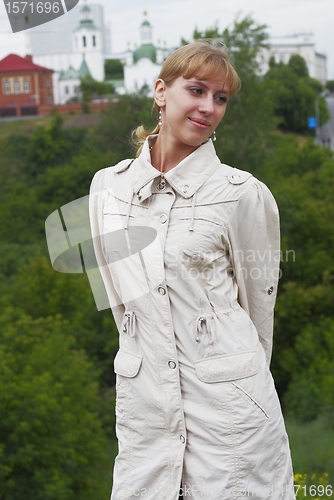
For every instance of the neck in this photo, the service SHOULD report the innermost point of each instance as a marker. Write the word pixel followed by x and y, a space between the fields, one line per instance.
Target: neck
pixel 165 154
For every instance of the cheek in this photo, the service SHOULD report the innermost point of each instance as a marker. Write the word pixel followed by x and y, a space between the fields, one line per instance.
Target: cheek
pixel 220 115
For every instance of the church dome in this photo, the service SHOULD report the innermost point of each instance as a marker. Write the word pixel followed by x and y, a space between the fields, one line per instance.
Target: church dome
pixel 146 50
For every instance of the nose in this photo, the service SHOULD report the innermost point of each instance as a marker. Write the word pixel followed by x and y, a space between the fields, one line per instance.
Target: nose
pixel 206 105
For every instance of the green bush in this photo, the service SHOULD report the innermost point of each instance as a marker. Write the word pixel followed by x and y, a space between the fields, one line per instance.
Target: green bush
pixel 51 441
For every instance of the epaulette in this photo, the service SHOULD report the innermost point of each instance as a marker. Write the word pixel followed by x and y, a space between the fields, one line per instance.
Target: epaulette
pixel 122 165
pixel 237 176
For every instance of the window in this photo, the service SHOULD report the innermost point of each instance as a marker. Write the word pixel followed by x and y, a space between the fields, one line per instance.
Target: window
pixel 26 86
pixel 7 86
pixel 67 90
pixel 84 41
pixel 16 86
pixel 75 89
pixel 94 41
pixel 49 99
pixel 48 82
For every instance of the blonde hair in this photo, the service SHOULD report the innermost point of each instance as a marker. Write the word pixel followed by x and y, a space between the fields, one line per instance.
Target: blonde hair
pixel 201 59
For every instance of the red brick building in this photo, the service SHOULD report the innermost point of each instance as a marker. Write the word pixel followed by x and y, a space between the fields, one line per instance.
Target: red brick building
pixel 24 86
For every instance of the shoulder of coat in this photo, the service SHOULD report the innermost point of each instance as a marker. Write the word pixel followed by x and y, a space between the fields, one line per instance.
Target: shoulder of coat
pixel 236 176
pixel 105 177
pixel 122 165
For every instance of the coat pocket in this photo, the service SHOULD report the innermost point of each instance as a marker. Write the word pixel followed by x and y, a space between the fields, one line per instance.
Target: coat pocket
pixel 127 364
pixel 227 367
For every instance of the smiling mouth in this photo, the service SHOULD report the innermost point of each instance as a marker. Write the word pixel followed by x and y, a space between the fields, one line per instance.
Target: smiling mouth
pixel 200 124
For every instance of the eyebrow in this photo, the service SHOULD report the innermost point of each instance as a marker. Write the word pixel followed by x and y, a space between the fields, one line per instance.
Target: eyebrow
pixel 203 83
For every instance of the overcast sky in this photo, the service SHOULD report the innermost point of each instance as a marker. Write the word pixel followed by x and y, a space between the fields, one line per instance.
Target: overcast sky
pixel 173 19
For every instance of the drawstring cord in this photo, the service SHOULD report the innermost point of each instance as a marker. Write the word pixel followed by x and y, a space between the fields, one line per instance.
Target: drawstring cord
pixel 199 329
pixel 129 323
pixel 192 212
pixel 128 210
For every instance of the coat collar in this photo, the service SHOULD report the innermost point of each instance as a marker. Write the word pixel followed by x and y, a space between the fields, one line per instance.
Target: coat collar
pixel 186 178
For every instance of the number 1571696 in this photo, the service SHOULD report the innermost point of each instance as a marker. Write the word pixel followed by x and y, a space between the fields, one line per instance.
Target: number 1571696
pixel 32 7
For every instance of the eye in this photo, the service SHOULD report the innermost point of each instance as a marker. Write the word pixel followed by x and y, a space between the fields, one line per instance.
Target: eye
pixel 222 99
pixel 196 90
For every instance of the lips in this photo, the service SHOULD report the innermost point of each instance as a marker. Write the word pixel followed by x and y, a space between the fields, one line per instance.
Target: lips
pixel 200 123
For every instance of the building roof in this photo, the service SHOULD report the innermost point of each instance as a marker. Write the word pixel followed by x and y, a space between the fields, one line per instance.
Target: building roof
pixel 70 74
pixel 13 62
pixel 83 70
pixel 73 74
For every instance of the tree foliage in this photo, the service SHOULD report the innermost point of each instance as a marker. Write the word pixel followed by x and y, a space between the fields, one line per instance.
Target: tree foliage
pixel 113 69
pixel 330 85
pixel 293 94
pixel 90 88
pixel 51 440
pixel 298 65
pixel 50 146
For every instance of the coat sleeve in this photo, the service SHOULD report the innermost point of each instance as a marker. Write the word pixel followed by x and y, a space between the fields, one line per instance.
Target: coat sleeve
pixel 255 253
pixel 96 202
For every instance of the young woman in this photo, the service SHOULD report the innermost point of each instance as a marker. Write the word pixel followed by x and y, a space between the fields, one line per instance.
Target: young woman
pixel 188 249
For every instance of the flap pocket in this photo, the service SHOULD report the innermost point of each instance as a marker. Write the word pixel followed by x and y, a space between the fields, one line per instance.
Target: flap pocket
pixel 127 363
pixel 227 367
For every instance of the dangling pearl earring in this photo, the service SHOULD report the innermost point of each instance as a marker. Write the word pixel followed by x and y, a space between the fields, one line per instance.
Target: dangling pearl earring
pixel 214 138
pixel 160 118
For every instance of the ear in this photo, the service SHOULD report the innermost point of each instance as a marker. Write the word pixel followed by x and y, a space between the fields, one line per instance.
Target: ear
pixel 159 92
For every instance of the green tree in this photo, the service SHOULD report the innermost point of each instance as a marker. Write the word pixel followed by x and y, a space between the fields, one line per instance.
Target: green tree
pixel 298 65
pixel 301 176
pixel 113 69
pixel 311 367
pixel 91 88
pixel 51 441
pixel 52 145
pixel 293 94
pixel 42 292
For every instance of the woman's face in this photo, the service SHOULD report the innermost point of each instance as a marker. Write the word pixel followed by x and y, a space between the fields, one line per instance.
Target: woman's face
pixel 191 109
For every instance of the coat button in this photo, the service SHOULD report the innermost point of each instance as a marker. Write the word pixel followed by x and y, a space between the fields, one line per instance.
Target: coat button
pixel 162 290
pixel 182 438
pixel 185 189
pixel 163 218
pixel 236 177
pixel 139 195
pixel 171 364
pixel 270 290
pixel 161 186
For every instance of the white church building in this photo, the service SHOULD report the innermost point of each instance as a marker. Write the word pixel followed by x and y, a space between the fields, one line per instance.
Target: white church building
pixel 142 65
pixel 84 57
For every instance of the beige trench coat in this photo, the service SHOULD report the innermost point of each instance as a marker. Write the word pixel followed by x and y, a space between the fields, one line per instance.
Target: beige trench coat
pixel 190 263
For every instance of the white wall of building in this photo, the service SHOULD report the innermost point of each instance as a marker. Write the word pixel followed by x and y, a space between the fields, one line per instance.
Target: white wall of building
pixel 282 48
pixel 89 42
pixel 137 75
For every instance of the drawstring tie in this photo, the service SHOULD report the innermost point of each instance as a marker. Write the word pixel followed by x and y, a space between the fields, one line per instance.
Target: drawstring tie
pixel 199 329
pixel 192 212
pixel 129 323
